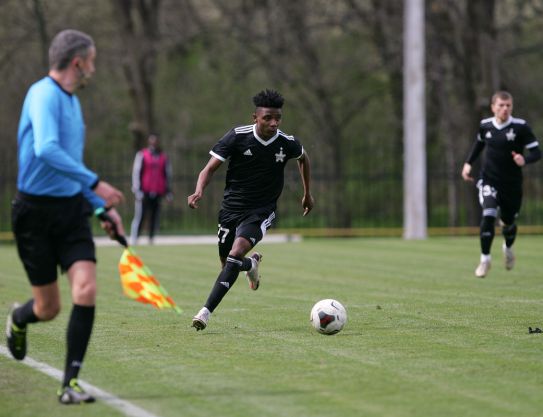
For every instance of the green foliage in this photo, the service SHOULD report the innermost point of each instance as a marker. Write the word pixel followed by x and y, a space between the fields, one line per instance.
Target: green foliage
pixel 339 67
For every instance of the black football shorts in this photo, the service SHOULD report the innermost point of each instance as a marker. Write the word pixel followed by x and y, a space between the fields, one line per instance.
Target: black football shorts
pixel 51 232
pixel 250 225
pixel 508 199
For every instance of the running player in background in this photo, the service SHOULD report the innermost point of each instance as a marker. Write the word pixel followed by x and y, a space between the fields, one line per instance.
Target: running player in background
pixel 503 138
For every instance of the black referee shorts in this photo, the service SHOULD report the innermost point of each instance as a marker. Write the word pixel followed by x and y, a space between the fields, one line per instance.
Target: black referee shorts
pixel 51 232
pixel 250 225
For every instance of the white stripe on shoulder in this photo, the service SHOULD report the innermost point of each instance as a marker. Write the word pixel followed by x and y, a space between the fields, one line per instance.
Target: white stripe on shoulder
pixel 289 137
pixel 519 121
pixel 534 144
pixel 487 120
pixel 216 155
pixel 298 157
pixel 243 129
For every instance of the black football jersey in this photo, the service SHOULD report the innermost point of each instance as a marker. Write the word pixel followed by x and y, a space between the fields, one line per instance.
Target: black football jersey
pixel 255 174
pixel 499 141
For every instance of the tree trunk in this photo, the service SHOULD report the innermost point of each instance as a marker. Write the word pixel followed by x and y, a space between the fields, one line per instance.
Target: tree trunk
pixel 138 26
pixel 481 70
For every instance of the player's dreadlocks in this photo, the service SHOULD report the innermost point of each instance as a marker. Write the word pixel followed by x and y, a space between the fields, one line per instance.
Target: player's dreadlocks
pixel 269 98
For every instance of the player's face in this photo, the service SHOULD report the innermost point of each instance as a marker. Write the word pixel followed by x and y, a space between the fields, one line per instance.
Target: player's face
pixel 502 109
pixel 267 121
pixel 85 68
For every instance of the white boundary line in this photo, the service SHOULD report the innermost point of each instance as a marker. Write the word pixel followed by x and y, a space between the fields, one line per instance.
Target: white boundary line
pixel 125 407
pixel 196 240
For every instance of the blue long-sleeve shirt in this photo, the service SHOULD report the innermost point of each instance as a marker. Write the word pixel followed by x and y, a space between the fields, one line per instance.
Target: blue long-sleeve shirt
pixel 51 140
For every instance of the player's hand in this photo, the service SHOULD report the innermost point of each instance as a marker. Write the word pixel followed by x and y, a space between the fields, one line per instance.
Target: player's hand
pixel 307 203
pixel 113 225
pixel 466 173
pixel 193 200
pixel 519 159
pixel 110 194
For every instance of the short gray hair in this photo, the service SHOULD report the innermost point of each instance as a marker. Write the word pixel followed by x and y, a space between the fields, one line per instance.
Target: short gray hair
pixel 502 95
pixel 66 45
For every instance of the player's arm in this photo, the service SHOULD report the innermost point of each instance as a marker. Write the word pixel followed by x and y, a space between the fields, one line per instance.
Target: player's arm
pixel 168 173
pixel 534 155
pixel 203 180
pixel 530 142
pixel 473 155
pixel 305 173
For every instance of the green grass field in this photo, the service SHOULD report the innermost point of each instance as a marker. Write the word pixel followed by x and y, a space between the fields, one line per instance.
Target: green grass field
pixel 424 336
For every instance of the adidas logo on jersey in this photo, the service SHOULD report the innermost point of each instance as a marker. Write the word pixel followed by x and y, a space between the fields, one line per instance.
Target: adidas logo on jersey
pixel 248 152
pixel 488 135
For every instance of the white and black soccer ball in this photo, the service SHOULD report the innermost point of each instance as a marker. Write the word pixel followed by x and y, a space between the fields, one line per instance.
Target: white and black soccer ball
pixel 328 316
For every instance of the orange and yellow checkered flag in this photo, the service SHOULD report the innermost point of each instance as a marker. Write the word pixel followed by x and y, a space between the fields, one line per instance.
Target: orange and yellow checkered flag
pixel 139 283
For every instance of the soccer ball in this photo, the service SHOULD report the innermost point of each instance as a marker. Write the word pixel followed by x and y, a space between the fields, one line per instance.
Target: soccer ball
pixel 328 316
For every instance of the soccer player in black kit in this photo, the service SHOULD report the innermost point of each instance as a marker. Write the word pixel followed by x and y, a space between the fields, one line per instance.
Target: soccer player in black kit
pixel 257 157
pixel 504 138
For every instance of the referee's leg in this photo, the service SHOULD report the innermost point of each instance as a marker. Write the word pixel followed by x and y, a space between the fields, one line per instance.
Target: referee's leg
pixel 82 277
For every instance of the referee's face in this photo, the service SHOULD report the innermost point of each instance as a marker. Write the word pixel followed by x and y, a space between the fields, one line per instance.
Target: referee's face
pixel 502 109
pixel 267 121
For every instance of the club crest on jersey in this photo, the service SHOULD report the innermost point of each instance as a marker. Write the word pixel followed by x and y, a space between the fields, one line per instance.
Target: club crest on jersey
pixel 280 157
pixel 510 135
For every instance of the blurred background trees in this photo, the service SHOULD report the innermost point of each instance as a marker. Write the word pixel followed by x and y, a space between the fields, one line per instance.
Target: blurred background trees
pixel 189 68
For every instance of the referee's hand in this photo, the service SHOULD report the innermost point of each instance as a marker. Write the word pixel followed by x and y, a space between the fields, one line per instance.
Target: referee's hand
pixel 109 194
pixel 114 224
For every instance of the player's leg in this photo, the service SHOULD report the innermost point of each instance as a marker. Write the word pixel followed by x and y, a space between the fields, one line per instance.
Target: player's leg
pixel 247 235
pixel 154 204
pixel 252 229
pixel 229 274
pixel 489 203
pixel 226 237
pixel 255 235
pixel 235 241
pixel 77 257
pixel 135 227
pixel 82 277
pixel 30 224
pixel 43 306
pixel 510 203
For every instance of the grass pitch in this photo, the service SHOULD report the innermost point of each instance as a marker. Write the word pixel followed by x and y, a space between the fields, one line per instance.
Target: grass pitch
pixel 424 336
